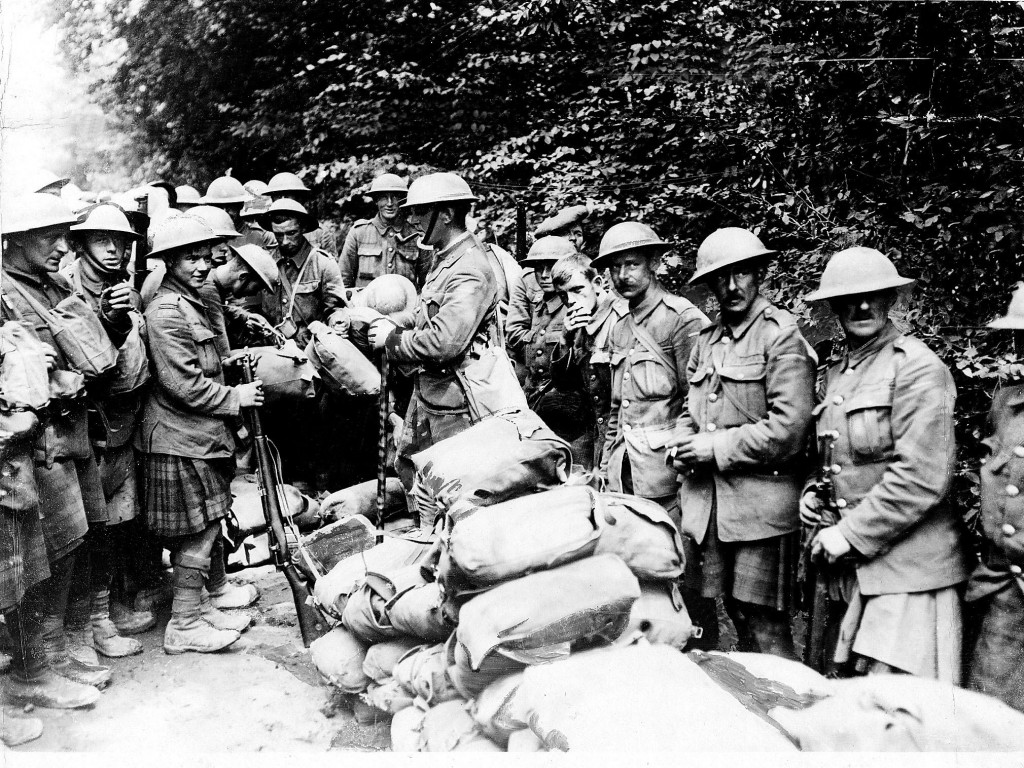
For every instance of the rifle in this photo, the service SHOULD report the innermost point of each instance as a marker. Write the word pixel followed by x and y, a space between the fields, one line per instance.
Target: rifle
pixel 382 444
pixel 142 244
pixel 311 623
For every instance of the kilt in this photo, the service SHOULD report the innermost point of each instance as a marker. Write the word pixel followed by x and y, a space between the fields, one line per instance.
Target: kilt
pixel 61 508
pixel 762 572
pixel 120 487
pixel 996 663
pixel 23 561
pixel 184 496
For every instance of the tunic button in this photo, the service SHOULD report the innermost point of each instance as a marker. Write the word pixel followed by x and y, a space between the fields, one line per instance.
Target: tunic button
pixel 540 353
pixel 984 460
pixel 848 372
pixel 713 397
pixel 626 428
pixel 1009 530
pixel 625 377
pixel 841 503
pixel 600 420
pixel 711 428
pixel 597 398
pixel 1012 490
pixel 1019 451
pixel 1015 570
pixel 625 403
pixel 837 400
pixel 836 469
pixel 593 377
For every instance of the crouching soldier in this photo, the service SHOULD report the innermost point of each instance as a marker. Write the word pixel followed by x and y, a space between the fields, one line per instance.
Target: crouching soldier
pixel 893 544
pixel 739 446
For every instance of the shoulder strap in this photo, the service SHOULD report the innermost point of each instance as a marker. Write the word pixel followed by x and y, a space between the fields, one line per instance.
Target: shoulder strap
pixel 298 279
pixel 644 337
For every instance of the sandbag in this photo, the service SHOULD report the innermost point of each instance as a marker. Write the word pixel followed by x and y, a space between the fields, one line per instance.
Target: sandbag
pixel 381 657
pixel 642 534
pixel 802 679
pixel 325 547
pixel 532 533
pixel 423 672
pixel 494 710
pixel 448 727
pixel 586 599
pixel 495 460
pixel 524 741
pixel 339 656
pixel 247 505
pixel 660 616
pixel 333 590
pixel 888 713
pixel 366 612
pixel 342 367
pixel 418 613
pixel 361 499
pixel 406 726
pixel 286 372
pixel 387 697
pixel 469 682
pixel 641 698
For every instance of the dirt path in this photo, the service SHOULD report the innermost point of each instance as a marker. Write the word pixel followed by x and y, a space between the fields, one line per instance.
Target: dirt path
pixel 263 694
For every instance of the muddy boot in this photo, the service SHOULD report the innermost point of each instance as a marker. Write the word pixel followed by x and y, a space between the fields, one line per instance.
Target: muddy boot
pixel 31 681
pixel 15 730
pixel 187 631
pixel 771 631
pixel 55 640
pixel 150 598
pixel 78 631
pixel 223 594
pixel 106 638
pixel 129 622
pixel 239 622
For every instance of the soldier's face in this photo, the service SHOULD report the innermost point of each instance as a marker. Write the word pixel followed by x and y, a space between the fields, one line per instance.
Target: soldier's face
pixel 43 249
pixel 544 277
pixel 579 294
pixel 106 249
pixel 736 289
pixel 220 254
pixel 387 205
pixel 632 274
pixel 863 316
pixel 193 267
pixel 289 236
pixel 575 236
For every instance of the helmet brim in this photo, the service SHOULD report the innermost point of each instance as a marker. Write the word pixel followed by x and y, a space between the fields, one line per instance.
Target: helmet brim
pixel 702 274
pixel 441 203
pixel 218 201
pixel 79 229
pixel 858 289
pixel 252 268
pixel 655 249
pixel 161 253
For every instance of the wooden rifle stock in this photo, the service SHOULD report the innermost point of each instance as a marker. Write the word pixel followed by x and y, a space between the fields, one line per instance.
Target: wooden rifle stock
pixel 142 244
pixel 311 623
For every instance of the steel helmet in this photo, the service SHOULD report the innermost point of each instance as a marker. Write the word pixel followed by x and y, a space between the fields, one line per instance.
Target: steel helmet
pixel 106 218
pixel 388 182
pixel 562 221
pixel 182 232
pixel 258 206
pixel 285 182
pixel 43 179
pixel 438 188
pixel 187 195
pixel 549 249
pixel 225 191
pixel 217 219
pixel 261 264
pixel 855 271
pixel 1014 317
pixel 725 247
pixel 36 210
pixel 256 187
pixel 626 236
pixel 286 208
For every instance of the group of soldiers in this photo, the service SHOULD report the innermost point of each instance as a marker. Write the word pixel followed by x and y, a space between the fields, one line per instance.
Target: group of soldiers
pixel 794 484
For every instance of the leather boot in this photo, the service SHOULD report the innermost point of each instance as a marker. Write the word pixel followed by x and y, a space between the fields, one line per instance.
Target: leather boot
pixel 151 598
pixel 55 640
pixel 78 631
pixel 30 680
pixel 186 630
pixel 15 730
pixel 128 621
pixel 772 632
pixel 106 638
pixel 236 621
pixel 223 594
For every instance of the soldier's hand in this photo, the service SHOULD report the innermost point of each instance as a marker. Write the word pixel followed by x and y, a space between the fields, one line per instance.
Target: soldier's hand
pixel 115 301
pixel 810 509
pixel 250 395
pixel 340 323
pixel 259 324
pixel 379 331
pixel 577 318
pixel 51 356
pixel 831 542
pixel 363 315
pixel 695 449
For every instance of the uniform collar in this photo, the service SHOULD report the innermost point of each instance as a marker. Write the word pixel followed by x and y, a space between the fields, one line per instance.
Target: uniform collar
pixel 27 277
pixel 552 303
pixel 174 285
pixel 855 357
pixel 451 248
pixel 655 295
pixel 300 258
pixel 606 304
pixel 756 310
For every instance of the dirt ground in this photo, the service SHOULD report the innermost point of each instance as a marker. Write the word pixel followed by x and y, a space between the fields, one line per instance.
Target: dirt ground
pixel 263 694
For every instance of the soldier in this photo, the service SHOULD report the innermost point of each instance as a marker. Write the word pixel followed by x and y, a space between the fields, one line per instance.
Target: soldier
pixel 249 273
pixel 103 245
pixel 581 360
pixel 187 197
pixel 288 186
pixel 567 223
pixel 895 555
pixel 385 244
pixel 995 660
pixel 455 321
pixel 739 446
pixel 229 195
pixel 256 209
pixel 186 439
pixel 46 182
pixel 35 230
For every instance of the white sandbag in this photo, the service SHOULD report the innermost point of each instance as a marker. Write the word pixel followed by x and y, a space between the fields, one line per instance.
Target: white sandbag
pixel 494 710
pixel 586 599
pixel 524 740
pixel 660 616
pixel 339 656
pixel 339 362
pixel 469 682
pixel 423 672
pixel 388 697
pixel 801 678
pixel 902 713
pixel 406 726
pixel 448 727
pixel 642 534
pixel 366 612
pixel 333 590
pixel 418 613
pixel 641 698
pixel 381 658
pixel 531 533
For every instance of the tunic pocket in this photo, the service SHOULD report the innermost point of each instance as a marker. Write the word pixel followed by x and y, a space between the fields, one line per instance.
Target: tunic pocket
pixel 744 388
pixel 869 424
pixel 206 349
pixel 650 378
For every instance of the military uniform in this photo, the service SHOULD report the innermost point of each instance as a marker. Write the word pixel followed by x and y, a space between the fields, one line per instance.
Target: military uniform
pixel 547 325
pixel 317 289
pixel 996 665
pixel 890 402
pixel 648 393
pixel 752 389
pixel 374 248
